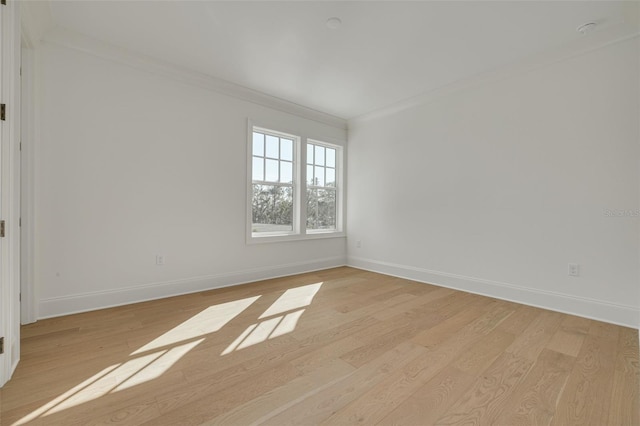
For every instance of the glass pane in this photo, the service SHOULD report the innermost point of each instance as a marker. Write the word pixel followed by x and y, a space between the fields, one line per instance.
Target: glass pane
pixel 286 149
pixel 272 146
pixel 326 209
pixel 309 175
pixel 312 208
pixel 330 177
pixel 331 157
pixel 271 174
pixel 258 168
pixel 321 209
pixel 310 153
pixel 258 144
pixel 272 208
pixel 319 156
pixel 286 172
pixel 319 176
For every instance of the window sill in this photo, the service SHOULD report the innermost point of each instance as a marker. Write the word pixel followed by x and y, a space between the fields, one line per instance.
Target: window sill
pixel 294 237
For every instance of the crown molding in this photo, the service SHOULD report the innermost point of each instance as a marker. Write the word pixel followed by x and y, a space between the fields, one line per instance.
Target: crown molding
pixel 80 42
pixel 600 39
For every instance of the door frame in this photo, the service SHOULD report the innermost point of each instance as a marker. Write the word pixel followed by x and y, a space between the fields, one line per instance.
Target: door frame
pixel 28 305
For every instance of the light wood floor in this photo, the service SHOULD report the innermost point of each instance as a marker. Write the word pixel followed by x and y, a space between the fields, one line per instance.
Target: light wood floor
pixel 340 346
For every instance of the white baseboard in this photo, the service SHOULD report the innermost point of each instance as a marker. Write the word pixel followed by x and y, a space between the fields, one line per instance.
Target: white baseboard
pixel 84 302
pixel 628 316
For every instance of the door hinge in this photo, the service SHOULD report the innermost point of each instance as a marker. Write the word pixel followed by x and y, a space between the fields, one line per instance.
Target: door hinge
pixel 20 221
pixel 1 228
pixel 1 345
pixel 3 111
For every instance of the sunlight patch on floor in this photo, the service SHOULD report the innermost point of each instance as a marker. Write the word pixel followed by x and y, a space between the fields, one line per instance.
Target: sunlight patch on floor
pixel 288 324
pixel 115 378
pixel 67 395
pixel 208 321
pixel 171 346
pixel 269 329
pixel 239 339
pixel 158 367
pixel 291 299
pixel 106 383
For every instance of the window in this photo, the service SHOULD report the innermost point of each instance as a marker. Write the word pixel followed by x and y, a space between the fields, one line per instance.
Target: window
pixel 272 170
pixel 321 187
pixel 290 198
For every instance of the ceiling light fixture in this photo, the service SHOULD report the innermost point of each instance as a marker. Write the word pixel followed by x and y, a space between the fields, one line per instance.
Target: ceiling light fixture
pixel 585 29
pixel 333 23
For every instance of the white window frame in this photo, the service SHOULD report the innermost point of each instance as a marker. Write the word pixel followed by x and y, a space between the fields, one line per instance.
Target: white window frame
pixel 299 231
pixel 338 188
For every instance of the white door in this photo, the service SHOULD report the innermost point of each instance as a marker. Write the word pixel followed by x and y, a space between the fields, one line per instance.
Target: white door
pixel 10 188
pixel 5 316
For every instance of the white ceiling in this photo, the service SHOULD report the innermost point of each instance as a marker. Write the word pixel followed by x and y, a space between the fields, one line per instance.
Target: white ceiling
pixel 384 52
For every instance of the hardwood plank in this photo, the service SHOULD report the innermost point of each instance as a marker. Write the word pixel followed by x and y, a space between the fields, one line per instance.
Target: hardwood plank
pixel 138 412
pixel 485 400
pixel 536 336
pixel 406 325
pixel 574 324
pixel 534 400
pixel 333 325
pixel 414 302
pixel 435 335
pixel 329 400
pixel 384 342
pixel 429 402
pixel 312 360
pixel 604 330
pixel 203 407
pixel 566 342
pixel 373 306
pixel 522 316
pixel 625 398
pixel 477 358
pixel 373 405
pixel 277 400
pixel 587 395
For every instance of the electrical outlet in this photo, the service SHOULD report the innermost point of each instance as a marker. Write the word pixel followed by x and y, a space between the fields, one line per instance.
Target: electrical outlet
pixel 358 244
pixel 159 260
pixel 574 270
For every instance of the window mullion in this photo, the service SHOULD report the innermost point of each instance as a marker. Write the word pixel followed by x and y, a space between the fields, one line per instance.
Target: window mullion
pixel 301 171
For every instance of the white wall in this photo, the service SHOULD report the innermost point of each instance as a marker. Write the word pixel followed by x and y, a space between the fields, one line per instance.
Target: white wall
pixel 493 189
pixel 131 164
pixel 496 188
